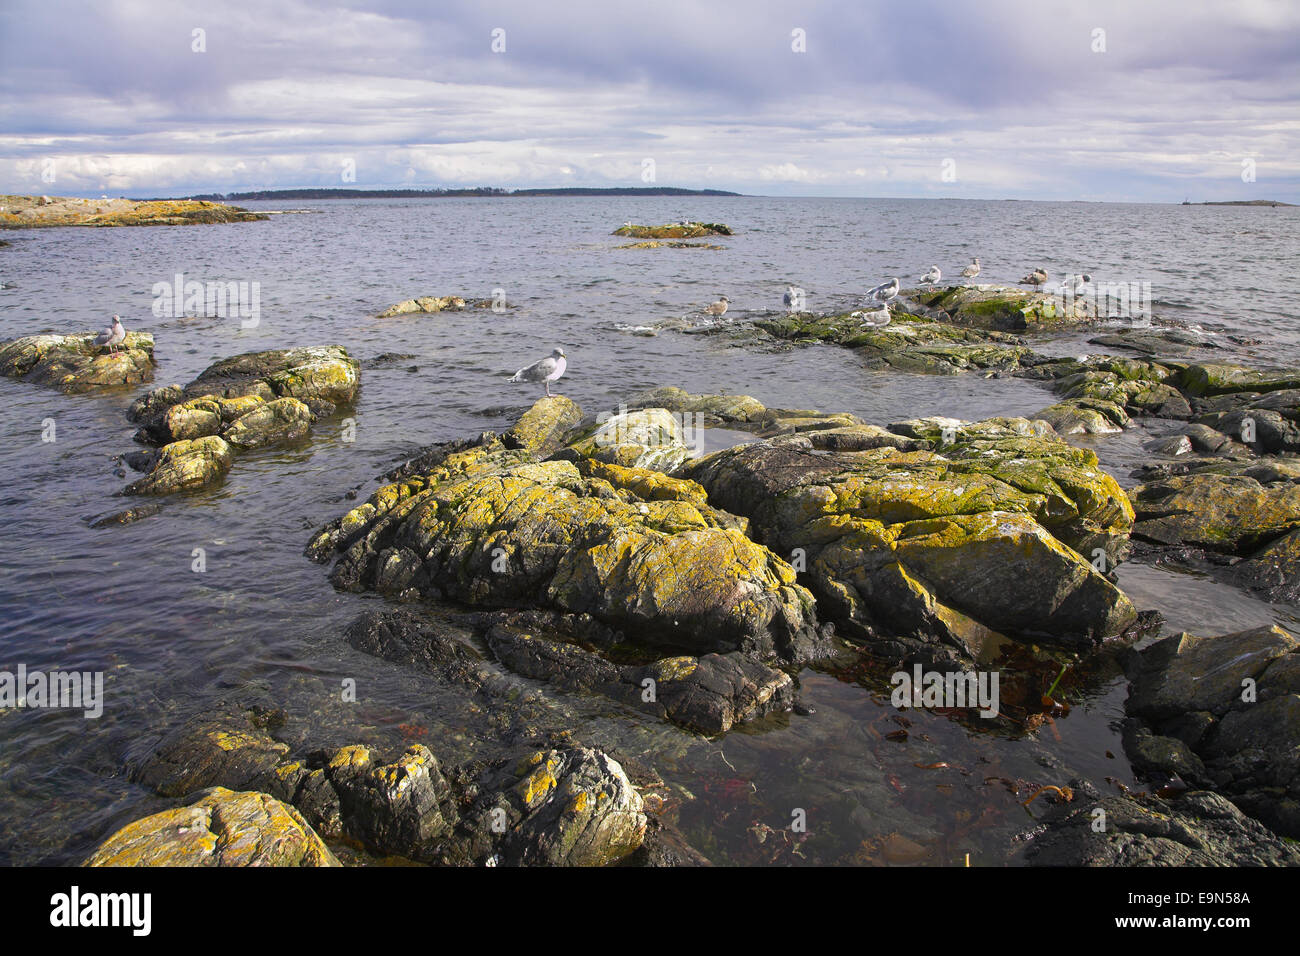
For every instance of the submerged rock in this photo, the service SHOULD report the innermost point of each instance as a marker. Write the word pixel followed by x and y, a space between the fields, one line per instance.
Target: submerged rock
pixel 74 364
pixel 221 828
pixel 709 694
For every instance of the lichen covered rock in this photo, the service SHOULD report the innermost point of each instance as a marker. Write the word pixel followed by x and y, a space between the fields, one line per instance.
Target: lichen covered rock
pixel 74 364
pixel 222 828
pixel 998 529
pixel 570 807
pixel 489 526
pixel 186 465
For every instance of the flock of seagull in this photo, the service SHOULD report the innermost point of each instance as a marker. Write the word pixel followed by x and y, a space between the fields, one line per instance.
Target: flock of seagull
pixel 552 367
pixel 549 369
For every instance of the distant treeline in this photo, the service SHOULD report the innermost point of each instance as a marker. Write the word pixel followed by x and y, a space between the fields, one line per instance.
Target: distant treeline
pixel 277 194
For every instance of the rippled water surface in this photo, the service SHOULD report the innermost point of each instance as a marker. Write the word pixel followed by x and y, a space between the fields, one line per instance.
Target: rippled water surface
pixel 261 618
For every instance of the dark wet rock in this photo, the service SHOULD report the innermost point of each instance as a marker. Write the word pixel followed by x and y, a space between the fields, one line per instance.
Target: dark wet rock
pixel 905 345
pixel 1273 570
pixel 1154 341
pixel 404 807
pixel 561 807
pixel 1208 441
pixel 1210 379
pixel 1224 712
pixel 491 527
pixel 74 364
pixel 220 828
pixel 985 535
pixel 405 638
pixel 1262 428
pixel 223 749
pixel 709 694
pixel 129 516
pixel 154 401
pixel 1235 508
pixel 1197 829
pixel 184 466
pixel 1173 446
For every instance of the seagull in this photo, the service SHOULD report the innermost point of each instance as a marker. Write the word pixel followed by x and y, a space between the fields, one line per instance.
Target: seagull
pixel 1035 278
pixel 790 298
pixel 879 318
pixel 972 270
pixel 1076 283
pixel 546 371
pixel 884 292
pixel 113 336
pixel 718 308
pixel 933 276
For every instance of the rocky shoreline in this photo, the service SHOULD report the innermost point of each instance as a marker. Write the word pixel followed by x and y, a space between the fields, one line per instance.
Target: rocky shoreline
pixel 601 556
pixel 38 212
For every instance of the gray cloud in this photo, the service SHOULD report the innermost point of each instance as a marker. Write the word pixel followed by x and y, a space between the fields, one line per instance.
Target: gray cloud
pixel 1010 91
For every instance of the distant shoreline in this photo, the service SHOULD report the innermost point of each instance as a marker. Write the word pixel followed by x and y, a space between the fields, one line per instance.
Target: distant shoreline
pixel 481 191
pixel 1240 202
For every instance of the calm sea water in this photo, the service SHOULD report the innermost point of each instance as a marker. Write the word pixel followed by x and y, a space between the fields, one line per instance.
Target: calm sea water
pixel 262 619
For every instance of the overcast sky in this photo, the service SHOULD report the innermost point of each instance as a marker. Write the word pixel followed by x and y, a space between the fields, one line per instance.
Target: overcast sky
pixel 1004 98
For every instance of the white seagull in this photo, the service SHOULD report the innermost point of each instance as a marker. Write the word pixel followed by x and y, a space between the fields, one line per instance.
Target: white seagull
pixel 113 336
pixel 972 270
pixel 933 276
pixel 546 371
pixel 1035 278
pixel 791 298
pixel 884 292
pixel 1076 283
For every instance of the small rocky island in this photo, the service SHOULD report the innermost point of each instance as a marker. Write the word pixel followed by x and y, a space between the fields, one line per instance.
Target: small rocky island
pixel 674 230
pixel 33 212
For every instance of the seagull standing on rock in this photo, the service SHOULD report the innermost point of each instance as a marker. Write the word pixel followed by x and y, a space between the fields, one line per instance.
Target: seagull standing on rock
pixel 1035 278
pixel 791 298
pixel 113 336
pixel 1076 283
pixel 884 292
pixel 972 270
pixel 718 308
pixel 933 276
pixel 546 371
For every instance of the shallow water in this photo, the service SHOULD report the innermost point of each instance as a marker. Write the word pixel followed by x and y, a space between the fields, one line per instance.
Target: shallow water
pixel 262 618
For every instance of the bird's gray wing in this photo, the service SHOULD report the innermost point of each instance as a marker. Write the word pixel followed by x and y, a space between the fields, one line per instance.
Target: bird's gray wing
pixel 537 372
